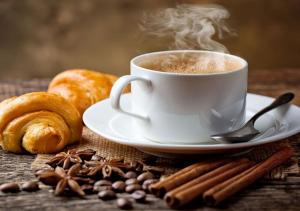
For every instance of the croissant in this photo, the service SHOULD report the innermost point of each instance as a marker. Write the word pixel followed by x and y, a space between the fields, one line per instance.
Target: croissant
pixel 38 122
pixel 82 87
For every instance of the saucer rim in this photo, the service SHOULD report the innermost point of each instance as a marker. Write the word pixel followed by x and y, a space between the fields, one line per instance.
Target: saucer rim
pixel 203 147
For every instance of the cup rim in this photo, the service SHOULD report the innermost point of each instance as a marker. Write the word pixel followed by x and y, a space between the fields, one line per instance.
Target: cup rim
pixel 243 62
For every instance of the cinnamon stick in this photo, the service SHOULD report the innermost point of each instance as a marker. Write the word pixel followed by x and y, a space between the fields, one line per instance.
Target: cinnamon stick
pixel 222 191
pixel 214 190
pixel 185 175
pixel 195 188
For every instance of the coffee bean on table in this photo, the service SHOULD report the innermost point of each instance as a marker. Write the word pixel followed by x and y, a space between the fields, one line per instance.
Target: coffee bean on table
pixel 123 203
pixel 139 195
pixel 147 183
pixel 30 186
pixel 133 187
pixel 11 187
pixel 102 185
pixel 130 174
pixel 106 195
pixel 131 181
pixel 119 186
pixel 144 176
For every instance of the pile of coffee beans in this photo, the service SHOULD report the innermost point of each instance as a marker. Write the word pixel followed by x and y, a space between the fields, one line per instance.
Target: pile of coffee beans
pixel 134 183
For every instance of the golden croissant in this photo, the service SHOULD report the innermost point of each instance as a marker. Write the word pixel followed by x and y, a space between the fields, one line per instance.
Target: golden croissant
pixel 82 87
pixel 38 122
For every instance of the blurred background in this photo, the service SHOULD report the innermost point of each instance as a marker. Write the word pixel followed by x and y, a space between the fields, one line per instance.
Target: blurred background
pixel 40 38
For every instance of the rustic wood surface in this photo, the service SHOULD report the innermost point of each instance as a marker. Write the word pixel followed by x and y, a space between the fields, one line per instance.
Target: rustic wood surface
pixel 263 195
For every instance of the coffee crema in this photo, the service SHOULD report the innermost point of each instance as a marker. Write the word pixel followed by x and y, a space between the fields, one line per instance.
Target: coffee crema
pixel 191 63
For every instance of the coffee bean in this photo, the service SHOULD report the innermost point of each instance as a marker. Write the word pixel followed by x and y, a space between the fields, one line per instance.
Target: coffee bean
pixel 119 186
pixel 49 177
pixel 131 181
pixel 130 174
pixel 133 187
pixel 147 183
pixel 139 195
pixel 98 188
pixel 11 187
pixel 123 203
pixel 103 183
pixel 106 195
pixel 144 176
pixel 88 189
pixel 30 186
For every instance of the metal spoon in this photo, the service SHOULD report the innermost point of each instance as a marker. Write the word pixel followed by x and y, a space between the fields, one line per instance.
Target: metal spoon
pixel 247 132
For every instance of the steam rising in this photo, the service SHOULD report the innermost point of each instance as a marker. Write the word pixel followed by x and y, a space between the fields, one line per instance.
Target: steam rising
pixel 191 26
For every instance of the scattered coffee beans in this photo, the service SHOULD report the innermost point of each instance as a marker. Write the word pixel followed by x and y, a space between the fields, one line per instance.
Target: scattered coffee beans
pixel 123 203
pixel 82 169
pixel 30 186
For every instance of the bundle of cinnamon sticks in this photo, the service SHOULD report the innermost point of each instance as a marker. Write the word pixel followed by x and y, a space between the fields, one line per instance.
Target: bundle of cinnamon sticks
pixel 215 180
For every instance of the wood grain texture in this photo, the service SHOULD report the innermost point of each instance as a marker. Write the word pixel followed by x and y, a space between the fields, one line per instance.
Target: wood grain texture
pixel 263 195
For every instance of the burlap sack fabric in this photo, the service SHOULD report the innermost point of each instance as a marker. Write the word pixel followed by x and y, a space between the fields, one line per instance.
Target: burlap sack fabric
pixel 111 150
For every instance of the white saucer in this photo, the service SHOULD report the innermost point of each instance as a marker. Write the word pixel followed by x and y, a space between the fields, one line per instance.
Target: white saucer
pixel 276 125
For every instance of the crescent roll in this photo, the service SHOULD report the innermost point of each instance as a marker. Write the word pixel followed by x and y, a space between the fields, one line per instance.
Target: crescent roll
pixel 38 122
pixel 82 87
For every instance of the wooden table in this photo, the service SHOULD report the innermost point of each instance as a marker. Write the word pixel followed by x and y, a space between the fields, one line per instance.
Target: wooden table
pixel 264 194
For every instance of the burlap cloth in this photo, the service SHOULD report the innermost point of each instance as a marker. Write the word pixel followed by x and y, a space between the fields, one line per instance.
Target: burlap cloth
pixel 110 150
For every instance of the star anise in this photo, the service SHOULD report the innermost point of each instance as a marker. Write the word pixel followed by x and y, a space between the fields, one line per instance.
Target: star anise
pixel 71 157
pixel 109 171
pixel 106 168
pixel 86 154
pixel 64 180
pixel 67 181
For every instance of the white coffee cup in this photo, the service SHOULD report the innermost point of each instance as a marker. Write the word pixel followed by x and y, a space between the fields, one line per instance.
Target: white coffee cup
pixel 183 108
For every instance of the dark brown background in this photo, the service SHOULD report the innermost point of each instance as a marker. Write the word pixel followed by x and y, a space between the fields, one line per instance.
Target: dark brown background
pixel 40 38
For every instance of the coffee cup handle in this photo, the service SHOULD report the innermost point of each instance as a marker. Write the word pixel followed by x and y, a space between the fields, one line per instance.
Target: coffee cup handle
pixel 116 92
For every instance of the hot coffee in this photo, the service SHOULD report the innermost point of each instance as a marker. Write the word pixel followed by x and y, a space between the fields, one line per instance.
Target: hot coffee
pixel 184 108
pixel 191 63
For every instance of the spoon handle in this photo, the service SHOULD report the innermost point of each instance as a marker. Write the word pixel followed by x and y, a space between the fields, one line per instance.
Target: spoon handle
pixel 282 99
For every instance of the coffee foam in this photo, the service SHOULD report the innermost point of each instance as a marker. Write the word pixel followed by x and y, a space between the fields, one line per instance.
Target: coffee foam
pixel 191 63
